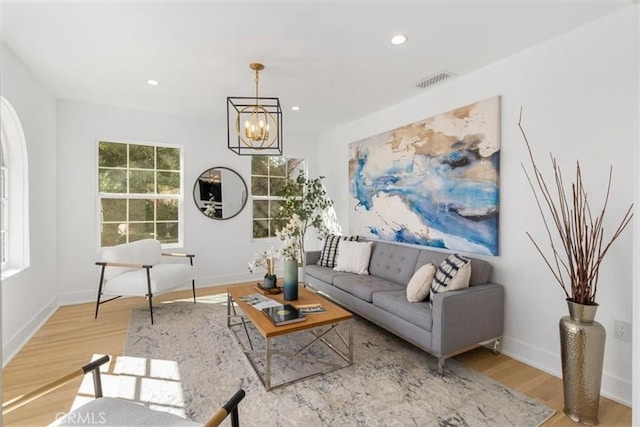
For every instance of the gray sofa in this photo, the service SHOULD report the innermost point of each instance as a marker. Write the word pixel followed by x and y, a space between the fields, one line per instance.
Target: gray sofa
pixel 457 321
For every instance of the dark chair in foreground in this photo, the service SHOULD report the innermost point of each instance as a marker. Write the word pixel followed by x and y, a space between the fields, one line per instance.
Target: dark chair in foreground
pixel 108 411
pixel 136 269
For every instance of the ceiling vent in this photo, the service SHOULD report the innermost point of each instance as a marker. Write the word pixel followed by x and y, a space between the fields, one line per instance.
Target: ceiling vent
pixel 434 79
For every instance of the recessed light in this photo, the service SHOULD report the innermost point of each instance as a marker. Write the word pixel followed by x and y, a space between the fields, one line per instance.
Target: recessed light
pixel 398 39
pixel 153 82
pixel 295 108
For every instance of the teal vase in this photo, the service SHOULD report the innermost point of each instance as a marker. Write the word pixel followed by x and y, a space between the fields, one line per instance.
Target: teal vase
pixel 290 279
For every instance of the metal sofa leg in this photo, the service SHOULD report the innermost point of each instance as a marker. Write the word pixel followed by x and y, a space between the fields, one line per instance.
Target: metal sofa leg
pixel 496 345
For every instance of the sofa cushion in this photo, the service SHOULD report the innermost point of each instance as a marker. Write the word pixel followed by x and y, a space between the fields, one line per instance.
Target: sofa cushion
pixel 363 287
pixel 330 249
pixel 453 274
pixel 480 269
pixel 353 257
pixel 393 262
pixel 420 284
pixel 325 274
pixel 395 302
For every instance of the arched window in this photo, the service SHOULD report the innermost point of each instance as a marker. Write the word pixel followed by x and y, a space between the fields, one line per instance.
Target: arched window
pixel 14 193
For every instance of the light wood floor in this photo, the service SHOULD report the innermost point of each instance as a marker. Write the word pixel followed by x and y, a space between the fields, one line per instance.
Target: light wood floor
pixel 71 337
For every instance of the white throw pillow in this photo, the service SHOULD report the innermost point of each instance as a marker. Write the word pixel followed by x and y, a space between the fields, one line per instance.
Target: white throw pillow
pixel 453 273
pixel 420 283
pixel 353 257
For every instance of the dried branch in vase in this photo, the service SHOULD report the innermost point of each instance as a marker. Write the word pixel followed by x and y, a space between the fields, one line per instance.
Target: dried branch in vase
pixel 579 247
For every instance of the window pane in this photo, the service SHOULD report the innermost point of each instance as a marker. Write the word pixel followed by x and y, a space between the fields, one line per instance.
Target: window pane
pixel 141 210
pixel 277 185
pixel 141 156
pixel 113 234
pixel 168 182
pixel 294 166
pixel 259 165
pixel 259 186
pixel 141 230
pixel 278 166
pixel 260 228
pixel 141 182
pixel 274 207
pixel 168 232
pixel 168 158
pixel 272 228
pixel 114 210
pixel 113 181
pixel 113 155
pixel 167 210
pixel 261 209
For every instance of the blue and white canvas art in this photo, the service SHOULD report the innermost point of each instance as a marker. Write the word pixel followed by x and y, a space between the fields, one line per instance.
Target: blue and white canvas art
pixel 433 183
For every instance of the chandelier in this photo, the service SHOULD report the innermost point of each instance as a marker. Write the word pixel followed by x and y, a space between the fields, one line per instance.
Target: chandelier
pixel 254 124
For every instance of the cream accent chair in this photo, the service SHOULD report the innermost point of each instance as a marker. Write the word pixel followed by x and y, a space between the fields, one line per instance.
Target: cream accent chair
pixel 136 269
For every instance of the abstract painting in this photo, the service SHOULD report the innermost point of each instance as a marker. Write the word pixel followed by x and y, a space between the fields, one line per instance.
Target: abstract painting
pixel 433 183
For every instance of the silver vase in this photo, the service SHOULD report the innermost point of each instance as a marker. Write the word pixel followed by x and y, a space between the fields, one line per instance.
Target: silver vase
pixel 582 350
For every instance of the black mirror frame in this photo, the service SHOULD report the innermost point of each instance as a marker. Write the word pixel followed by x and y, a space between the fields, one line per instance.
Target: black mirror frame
pixel 244 184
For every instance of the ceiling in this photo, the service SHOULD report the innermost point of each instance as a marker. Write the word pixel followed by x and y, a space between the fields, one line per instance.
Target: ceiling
pixel 333 59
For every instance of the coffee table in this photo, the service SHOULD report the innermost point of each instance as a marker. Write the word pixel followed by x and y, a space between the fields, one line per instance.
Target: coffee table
pixel 318 326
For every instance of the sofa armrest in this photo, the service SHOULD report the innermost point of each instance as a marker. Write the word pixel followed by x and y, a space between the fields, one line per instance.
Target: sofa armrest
pixel 467 317
pixel 311 257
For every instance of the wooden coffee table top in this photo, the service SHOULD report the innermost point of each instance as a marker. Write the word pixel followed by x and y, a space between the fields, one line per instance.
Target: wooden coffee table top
pixel 333 313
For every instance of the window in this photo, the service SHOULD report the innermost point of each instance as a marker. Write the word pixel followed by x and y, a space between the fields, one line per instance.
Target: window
pixel 268 175
pixel 140 193
pixel 14 193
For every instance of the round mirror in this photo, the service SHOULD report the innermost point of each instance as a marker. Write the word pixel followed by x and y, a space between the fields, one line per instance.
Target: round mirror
pixel 220 193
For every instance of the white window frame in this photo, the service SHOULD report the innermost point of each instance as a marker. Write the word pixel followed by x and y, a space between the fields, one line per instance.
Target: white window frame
pixel 179 197
pixel 17 191
pixel 269 197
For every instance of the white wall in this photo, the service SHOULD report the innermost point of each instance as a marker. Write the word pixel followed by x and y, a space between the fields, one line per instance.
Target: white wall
pixel 222 248
pixel 636 248
pixel 580 102
pixel 29 297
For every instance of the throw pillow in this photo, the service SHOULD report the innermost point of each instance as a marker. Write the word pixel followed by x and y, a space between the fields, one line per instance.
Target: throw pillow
pixel 330 249
pixel 420 283
pixel 353 257
pixel 453 273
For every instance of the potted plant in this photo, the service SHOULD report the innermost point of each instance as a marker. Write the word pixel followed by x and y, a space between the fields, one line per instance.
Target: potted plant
pixel 307 199
pixel 267 260
pixel 577 245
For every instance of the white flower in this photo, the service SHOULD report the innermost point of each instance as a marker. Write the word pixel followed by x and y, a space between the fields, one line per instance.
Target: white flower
pixel 266 259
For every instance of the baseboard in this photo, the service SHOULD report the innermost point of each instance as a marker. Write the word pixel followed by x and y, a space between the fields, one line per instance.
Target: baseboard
pixel 15 344
pixel 614 388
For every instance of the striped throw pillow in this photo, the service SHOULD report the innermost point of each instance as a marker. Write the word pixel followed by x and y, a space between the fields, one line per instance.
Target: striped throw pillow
pixel 453 273
pixel 329 253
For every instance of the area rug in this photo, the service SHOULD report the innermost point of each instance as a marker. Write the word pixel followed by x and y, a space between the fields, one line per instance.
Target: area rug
pixel 188 363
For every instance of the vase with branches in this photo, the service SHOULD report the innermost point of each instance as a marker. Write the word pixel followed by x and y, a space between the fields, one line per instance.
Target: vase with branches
pixel 578 246
pixel 574 230
pixel 304 206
